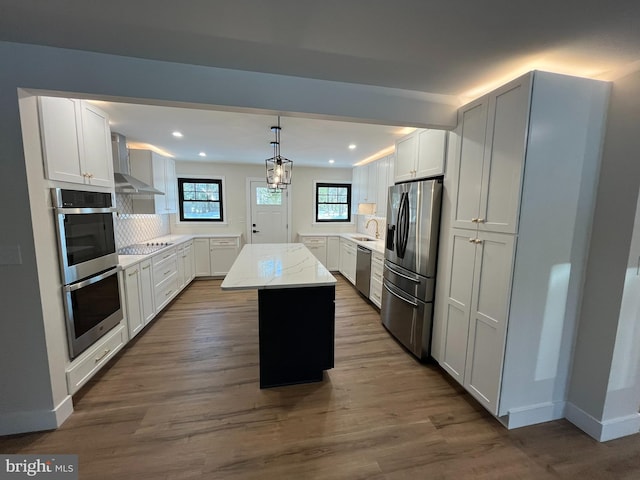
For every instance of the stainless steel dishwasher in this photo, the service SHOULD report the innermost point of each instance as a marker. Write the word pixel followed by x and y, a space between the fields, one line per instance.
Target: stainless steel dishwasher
pixel 363 270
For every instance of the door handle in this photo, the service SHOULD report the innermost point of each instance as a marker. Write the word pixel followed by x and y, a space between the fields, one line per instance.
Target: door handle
pixel 255 231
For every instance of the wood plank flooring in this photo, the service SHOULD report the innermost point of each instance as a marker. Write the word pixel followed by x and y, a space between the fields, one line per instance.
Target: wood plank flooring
pixel 182 402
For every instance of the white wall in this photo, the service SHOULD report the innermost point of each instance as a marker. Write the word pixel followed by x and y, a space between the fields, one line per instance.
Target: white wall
pixel 601 331
pixel 235 197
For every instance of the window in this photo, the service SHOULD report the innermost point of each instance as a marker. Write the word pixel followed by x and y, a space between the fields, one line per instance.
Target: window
pixel 268 196
pixel 333 202
pixel 200 200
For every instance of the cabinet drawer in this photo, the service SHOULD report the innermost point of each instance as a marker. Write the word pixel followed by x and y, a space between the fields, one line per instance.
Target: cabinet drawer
pixel 165 291
pixel 214 242
pixel 164 270
pixel 86 366
pixel 164 257
pixel 376 271
pixel 314 240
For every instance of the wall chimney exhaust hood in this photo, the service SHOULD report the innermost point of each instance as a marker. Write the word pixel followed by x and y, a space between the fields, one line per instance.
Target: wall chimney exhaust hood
pixel 125 183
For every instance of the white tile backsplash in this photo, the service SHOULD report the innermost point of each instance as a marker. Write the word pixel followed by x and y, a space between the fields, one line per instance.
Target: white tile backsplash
pixel 361 221
pixel 133 228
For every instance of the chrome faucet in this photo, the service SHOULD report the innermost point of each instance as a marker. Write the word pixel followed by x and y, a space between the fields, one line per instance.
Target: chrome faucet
pixel 377 226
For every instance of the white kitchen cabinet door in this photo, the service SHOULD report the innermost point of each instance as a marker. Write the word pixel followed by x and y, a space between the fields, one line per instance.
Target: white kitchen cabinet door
pixel 133 289
pixel 96 141
pixel 468 166
pixel 59 120
pixel 170 186
pixel 348 260
pixel 317 246
pixel 202 257
pixel 76 142
pixel 146 291
pixel 432 147
pixel 223 252
pixel 372 183
pixel 458 303
pixel 382 186
pixel 188 259
pixel 489 312
pixel 406 149
pixel 181 280
pixel 504 157
pixel 357 188
pixel 333 254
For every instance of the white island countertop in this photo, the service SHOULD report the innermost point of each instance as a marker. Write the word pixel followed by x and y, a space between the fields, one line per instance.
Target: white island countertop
pixel 276 265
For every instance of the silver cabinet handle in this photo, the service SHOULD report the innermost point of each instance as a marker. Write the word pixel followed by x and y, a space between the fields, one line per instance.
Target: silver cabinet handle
pixel 472 240
pixel 104 354
pixel 135 272
pixel 477 241
pixel 480 220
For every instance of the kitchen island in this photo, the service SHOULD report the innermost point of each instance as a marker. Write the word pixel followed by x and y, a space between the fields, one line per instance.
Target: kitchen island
pixel 296 310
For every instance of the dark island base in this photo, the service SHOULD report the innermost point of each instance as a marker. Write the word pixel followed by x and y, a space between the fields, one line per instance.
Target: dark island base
pixel 297 327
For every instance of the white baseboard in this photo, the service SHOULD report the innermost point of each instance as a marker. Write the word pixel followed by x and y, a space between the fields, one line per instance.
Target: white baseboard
pixel 533 414
pixel 36 420
pixel 606 430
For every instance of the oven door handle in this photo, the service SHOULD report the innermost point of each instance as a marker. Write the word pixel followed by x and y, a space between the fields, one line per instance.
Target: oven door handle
pixel 75 286
pixel 76 211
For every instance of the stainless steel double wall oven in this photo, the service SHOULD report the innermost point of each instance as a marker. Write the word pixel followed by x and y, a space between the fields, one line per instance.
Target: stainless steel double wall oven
pixel 88 265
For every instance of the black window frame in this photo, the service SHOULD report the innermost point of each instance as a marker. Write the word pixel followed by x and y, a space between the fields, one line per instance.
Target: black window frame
pixel 182 181
pixel 318 185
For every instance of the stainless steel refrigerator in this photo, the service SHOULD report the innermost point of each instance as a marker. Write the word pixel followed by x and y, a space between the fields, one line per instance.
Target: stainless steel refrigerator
pixel 413 224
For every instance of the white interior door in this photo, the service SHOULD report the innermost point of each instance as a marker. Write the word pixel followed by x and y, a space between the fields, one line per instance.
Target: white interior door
pixel 269 214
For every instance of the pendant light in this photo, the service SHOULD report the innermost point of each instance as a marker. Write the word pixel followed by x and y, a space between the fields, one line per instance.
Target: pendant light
pixel 278 168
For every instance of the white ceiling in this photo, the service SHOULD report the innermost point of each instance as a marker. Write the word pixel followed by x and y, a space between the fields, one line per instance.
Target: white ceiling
pixel 447 47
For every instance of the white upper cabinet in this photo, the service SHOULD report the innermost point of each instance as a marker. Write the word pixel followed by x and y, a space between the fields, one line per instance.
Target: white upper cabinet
pixel 420 154
pixel 76 142
pixel 490 160
pixel 160 172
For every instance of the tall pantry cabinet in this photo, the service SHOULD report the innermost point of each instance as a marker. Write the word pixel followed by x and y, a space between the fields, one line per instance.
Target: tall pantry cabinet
pixel 516 218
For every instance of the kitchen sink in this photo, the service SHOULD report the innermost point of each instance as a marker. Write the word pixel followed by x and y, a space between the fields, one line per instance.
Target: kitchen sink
pixel 364 239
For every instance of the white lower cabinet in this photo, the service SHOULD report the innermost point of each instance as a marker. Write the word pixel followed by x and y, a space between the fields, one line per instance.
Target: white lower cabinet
pixel 348 259
pixel 375 286
pixel 133 300
pixel 477 310
pixel 165 277
pixel 91 361
pixel 223 252
pixel 333 254
pixel 201 256
pixel 146 291
pixel 213 257
pixel 317 246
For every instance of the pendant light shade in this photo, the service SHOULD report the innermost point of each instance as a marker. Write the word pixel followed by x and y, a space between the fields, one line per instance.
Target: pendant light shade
pixel 278 167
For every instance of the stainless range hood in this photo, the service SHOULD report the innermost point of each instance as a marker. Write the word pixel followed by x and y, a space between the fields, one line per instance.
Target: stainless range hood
pixel 125 183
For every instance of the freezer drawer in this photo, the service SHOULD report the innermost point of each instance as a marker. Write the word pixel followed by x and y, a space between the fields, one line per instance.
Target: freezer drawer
pixel 407 319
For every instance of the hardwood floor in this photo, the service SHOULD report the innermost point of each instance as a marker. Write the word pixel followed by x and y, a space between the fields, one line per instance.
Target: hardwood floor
pixel 182 402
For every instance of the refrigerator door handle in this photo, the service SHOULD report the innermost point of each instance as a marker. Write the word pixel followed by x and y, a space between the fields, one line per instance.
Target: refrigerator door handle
pixel 414 280
pixel 398 296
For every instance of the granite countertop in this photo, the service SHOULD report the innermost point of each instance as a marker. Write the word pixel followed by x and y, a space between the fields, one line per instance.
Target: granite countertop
pixel 279 265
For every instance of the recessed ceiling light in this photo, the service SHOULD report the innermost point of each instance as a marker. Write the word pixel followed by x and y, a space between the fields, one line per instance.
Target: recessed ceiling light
pixel 332 161
pixel 177 134
pixel 352 146
pixel 202 154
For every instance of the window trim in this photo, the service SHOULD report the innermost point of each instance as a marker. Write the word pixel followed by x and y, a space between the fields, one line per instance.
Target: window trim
pixel 201 179
pixel 328 183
